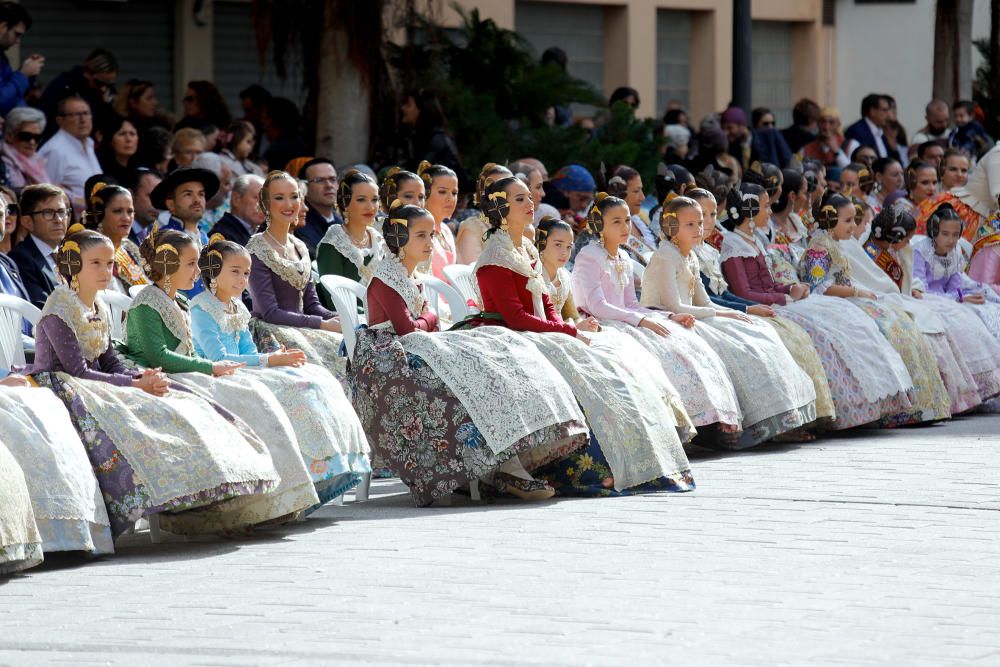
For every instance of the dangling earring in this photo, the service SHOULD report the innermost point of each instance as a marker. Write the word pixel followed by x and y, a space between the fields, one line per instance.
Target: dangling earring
pixel 167 285
pixel 213 285
pixel 402 254
pixel 503 224
pixel 753 226
pixel 74 283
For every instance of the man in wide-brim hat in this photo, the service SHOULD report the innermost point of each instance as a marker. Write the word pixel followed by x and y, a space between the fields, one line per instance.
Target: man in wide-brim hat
pixel 184 192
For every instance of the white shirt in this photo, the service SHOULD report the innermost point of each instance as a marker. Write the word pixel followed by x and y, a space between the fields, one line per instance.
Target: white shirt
pixel 69 163
pixel 876 131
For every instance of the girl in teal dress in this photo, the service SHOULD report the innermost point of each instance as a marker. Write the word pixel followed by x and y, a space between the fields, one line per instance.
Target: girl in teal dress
pixel 331 439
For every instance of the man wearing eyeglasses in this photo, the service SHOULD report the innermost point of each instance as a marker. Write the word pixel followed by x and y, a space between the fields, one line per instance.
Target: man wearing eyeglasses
pixel 320 176
pixel 94 81
pixel 14 22
pixel 69 155
pixel 45 216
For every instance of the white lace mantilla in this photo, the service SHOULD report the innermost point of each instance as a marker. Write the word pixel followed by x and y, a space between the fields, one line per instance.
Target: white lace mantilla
pixel 232 317
pixel 502 379
pixel 392 272
pixel 365 260
pixel 296 273
pixel 92 327
pixel 710 264
pixel 523 260
pixel 174 318
pixel 735 246
pixel 558 293
pixel 942 267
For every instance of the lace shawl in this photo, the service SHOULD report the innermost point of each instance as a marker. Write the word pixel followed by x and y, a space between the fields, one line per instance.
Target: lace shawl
pixel 559 294
pixel 735 246
pixel 710 264
pixel 91 327
pixel 175 319
pixel 296 273
pixel 942 267
pixel 500 251
pixel 232 317
pixel 365 260
pixel 394 275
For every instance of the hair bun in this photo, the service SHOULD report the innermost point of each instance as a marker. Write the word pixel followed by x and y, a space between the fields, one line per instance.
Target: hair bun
pixel 216 237
pixel 396 203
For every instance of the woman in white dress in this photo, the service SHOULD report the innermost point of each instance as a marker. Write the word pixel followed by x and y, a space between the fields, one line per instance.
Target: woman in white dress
pixel 776 396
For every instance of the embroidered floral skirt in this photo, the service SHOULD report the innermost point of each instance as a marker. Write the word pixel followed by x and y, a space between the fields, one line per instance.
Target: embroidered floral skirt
pixel 850 403
pixel 930 401
pixel 417 425
pixel 138 477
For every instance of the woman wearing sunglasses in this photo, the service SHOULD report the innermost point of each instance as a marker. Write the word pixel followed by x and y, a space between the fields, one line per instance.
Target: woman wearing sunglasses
pixel 22 136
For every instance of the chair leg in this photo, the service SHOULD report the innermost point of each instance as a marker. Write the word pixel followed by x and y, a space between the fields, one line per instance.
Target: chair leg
pixel 339 501
pixel 474 490
pixel 361 492
pixel 154 529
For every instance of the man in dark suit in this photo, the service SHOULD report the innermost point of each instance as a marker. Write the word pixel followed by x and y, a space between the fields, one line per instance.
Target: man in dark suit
pixel 245 217
pixel 45 215
pixel 321 197
pixel 869 130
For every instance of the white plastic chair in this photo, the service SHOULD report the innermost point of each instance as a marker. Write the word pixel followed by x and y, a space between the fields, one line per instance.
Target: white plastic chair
pixel 435 289
pixel 134 290
pixel 12 311
pixel 345 294
pixel 119 305
pixel 461 278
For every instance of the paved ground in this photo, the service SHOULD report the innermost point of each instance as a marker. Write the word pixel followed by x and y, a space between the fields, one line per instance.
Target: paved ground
pixel 874 548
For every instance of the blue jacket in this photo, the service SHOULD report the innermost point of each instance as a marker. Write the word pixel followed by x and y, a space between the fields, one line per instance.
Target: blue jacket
pixel 13 86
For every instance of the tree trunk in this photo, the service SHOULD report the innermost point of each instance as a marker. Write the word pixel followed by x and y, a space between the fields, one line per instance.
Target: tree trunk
pixel 344 101
pixel 952 52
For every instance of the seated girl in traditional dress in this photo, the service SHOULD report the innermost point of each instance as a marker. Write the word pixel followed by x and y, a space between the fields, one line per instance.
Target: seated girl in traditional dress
pixel 152 448
pixel 602 287
pixel 937 272
pixel 445 409
pixel 776 396
pixel 867 378
pixel 158 335
pixel 637 418
pixel 355 248
pixel 884 265
pixel 332 443
pixel 441 184
pixel 827 270
pixel 286 310
pixel 469 240
pixel 110 211
pixel 794 337
pixel 554 241
pixel 20 541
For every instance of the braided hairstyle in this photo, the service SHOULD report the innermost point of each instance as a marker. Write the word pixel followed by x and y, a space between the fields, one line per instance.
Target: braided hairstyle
pixel 69 255
pixel 603 202
pixel 791 182
pixel 766 175
pixel 100 196
pixel 618 183
pixel 494 203
pixel 213 257
pixel 827 211
pixel 860 206
pixel 264 197
pixel 396 225
pixel 892 224
pixel 491 173
pixel 545 227
pixel 428 172
pixel 161 252
pixel 346 189
pixel 669 224
pixel 742 204
pixel 390 185
pixel 943 213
